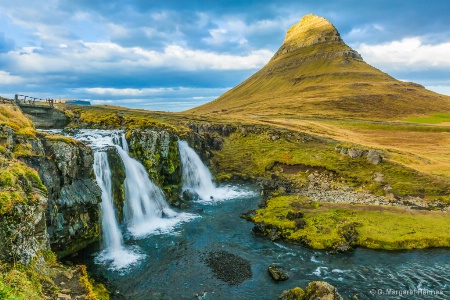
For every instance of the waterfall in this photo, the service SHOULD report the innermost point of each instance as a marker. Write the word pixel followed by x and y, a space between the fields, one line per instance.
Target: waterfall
pixel 114 249
pixel 111 233
pixel 145 208
pixel 197 178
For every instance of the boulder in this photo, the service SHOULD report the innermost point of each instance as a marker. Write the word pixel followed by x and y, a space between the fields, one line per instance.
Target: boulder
pixel 259 229
pixel 274 235
pixel 374 157
pixel 189 195
pixel 277 273
pixel 217 143
pixel 355 153
pixel 293 294
pixel 248 215
pixel 321 290
pixel 378 177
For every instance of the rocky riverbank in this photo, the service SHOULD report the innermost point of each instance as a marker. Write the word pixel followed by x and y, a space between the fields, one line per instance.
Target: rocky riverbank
pixel 48 200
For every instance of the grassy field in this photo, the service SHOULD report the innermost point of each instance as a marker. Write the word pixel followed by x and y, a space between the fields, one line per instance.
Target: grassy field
pixel 254 156
pixel 425 148
pixel 438 118
pixel 377 227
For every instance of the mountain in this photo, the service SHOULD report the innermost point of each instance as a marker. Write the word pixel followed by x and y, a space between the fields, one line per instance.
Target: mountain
pixel 314 73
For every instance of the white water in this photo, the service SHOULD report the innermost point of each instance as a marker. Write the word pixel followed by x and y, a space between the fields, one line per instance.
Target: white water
pixel 114 249
pixel 146 210
pixel 197 178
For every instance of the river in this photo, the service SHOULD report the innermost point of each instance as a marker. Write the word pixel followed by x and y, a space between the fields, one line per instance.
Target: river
pixel 174 267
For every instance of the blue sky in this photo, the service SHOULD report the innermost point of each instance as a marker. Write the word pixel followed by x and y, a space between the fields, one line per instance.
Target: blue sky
pixel 174 55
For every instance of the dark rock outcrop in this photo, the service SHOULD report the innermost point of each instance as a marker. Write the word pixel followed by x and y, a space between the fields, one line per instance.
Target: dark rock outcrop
pixel 66 169
pixel 158 151
pixel 23 232
pixel 44 116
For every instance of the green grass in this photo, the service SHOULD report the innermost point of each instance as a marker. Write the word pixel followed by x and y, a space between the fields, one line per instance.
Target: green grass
pixel 120 117
pixel 60 138
pixel 12 116
pixel 431 119
pixel 17 182
pixel 381 126
pixel 254 156
pixel 377 227
pixel 16 285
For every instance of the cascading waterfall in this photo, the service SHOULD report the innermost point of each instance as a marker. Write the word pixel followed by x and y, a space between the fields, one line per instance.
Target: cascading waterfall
pixel 197 178
pixel 114 249
pixel 146 210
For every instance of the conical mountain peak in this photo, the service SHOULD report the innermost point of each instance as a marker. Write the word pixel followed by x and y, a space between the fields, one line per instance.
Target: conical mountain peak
pixel 315 73
pixel 314 32
pixel 311 30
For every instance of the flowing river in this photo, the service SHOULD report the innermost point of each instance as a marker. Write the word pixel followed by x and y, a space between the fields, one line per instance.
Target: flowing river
pixel 173 263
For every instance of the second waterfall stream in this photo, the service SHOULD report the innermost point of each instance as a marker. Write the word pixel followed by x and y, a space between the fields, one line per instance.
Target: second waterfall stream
pixel 197 179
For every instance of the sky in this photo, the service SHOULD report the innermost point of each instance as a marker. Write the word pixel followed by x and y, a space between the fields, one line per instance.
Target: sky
pixel 174 55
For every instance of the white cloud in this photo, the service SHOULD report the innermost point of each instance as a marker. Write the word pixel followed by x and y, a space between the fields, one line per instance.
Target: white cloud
pixel 108 56
pixel 409 54
pixel 6 78
pixel 119 92
pixel 125 91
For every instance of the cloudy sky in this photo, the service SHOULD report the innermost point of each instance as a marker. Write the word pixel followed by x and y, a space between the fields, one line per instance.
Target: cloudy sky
pixel 174 55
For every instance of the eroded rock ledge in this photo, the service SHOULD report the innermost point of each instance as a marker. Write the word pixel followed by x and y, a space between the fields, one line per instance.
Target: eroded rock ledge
pixel 66 170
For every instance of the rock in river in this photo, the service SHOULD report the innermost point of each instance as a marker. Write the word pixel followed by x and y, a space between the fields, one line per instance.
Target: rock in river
pixel 277 273
pixel 229 267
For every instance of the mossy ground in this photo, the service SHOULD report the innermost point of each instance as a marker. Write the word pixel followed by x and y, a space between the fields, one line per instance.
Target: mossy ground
pixel 378 227
pixel 17 184
pixel 35 282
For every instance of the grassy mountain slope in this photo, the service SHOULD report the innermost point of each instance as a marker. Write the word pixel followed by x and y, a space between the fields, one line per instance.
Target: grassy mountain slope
pixel 315 73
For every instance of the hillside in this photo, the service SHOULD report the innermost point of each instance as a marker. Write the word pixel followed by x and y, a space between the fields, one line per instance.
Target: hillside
pixel 314 73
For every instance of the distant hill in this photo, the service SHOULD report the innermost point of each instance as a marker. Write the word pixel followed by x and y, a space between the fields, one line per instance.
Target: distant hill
pixel 314 73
